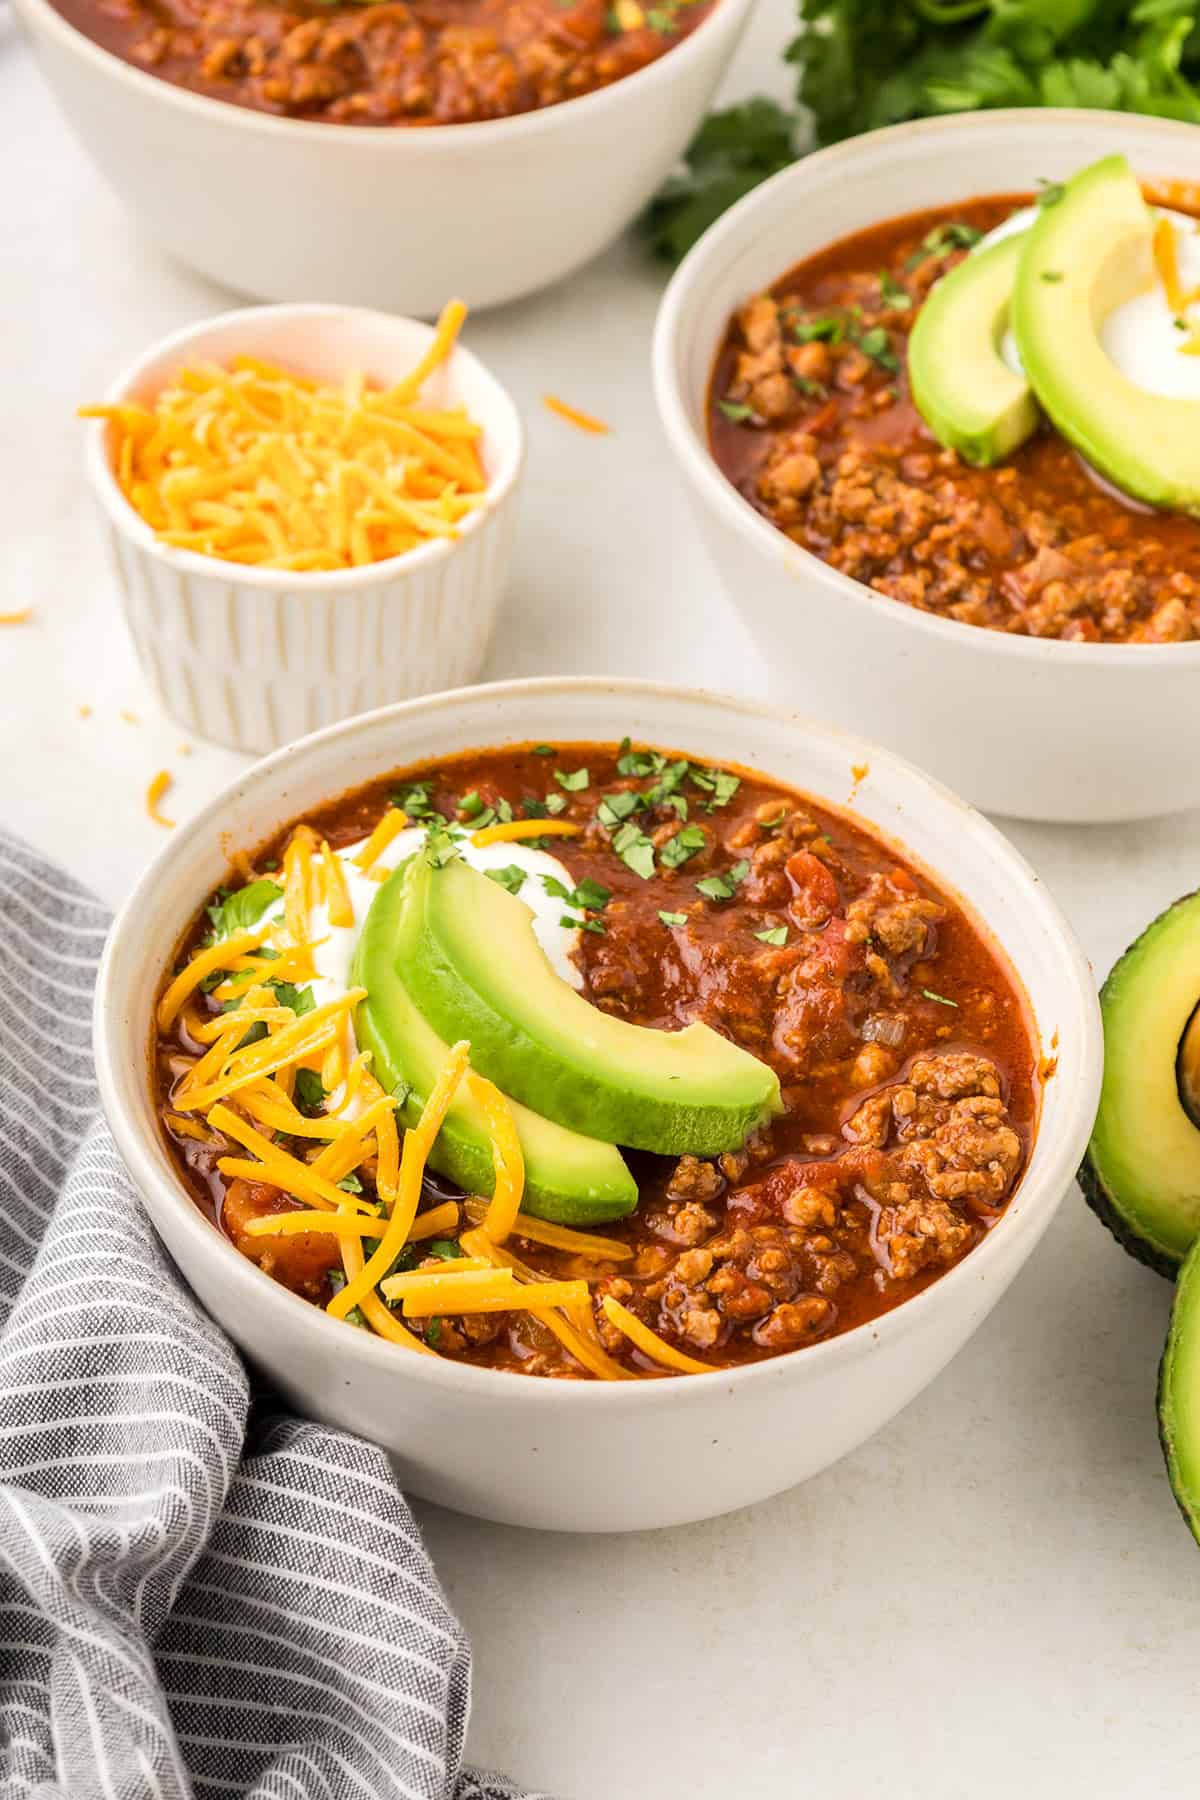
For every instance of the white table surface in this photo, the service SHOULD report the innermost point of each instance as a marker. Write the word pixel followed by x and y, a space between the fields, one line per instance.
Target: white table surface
pixel 996 1594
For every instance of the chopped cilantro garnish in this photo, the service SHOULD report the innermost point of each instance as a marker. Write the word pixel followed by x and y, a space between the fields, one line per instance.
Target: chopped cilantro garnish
pixel 722 887
pixel 416 801
pixel 718 783
pixel 543 749
pixel 573 780
pixel 511 877
pixel 939 998
pixel 445 1248
pixel 301 999
pixel 1049 192
pixel 471 804
pixel 829 330
pixel 615 807
pixel 662 21
pixel 350 1184
pixel 776 934
pixel 878 346
pixel 812 390
pixel 736 411
pixel 504 811
pixel 241 910
pixel 440 849
pixel 556 803
pixel 588 894
pixel 683 846
pixel 635 849
pixel 638 762
pixel 402 1092
pixel 892 294
pixel 673 918
pixel 1051 275
pixel 309 1092
pixel 596 925
pixel 433 1332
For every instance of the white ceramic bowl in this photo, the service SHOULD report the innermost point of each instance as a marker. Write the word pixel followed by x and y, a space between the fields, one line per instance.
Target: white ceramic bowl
pixel 287 209
pixel 598 1456
pixel 252 658
pixel 1035 728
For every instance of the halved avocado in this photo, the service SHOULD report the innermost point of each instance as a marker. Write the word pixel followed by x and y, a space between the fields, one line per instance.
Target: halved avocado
pixel 474 968
pixel 1141 1174
pixel 1179 1394
pixel 964 390
pixel 1088 253
pixel 571 1179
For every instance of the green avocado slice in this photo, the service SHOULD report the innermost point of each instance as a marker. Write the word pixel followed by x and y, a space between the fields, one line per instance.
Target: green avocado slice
pixel 1179 1394
pixel 962 387
pixel 475 970
pixel 1087 254
pixel 569 1179
pixel 1141 1174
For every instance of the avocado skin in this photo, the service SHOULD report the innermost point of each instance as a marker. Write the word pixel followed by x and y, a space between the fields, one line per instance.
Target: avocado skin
pixel 1102 1203
pixel 1168 1424
pixel 1096 1191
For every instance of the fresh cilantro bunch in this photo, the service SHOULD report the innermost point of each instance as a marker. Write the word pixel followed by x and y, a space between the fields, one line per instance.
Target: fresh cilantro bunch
pixel 868 63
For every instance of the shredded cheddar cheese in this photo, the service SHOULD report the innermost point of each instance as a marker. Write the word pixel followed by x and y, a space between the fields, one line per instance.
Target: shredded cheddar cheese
pixel 1166 261
pixel 507 1158
pixel 154 794
pixel 256 464
pixel 649 1342
pixel 555 1237
pixel 18 618
pixel 573 416
pixel 514 830
pixel 205 962
pixel 389 827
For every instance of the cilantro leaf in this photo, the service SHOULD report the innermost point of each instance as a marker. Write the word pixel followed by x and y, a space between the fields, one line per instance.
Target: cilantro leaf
pixel 736 411
pixel 939 998
pixel 723 887
pixel 673 918
pixel 635 849
pixel 556 803
pixel 731 153
pixel 244 908
pixel 444 1248
pixel 511 878
pixel 350 1184
pixel 775 934
pixel 572 780
pixel 301 999
pixel 683 846
pixel 615 807
pixel 309 1092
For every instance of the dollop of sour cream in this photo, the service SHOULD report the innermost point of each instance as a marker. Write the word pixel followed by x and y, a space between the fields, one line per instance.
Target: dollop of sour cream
pixel 1140 336
pixel 556 923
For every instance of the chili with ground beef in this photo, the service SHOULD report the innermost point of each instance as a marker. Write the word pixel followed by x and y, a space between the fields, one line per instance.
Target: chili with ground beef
pixel 905 1053
pixel 432 62
pixel 811 418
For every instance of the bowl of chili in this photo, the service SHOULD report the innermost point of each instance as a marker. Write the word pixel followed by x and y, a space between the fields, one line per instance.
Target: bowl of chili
pixel 363 154
pixel 756 1315
pixel 1023 630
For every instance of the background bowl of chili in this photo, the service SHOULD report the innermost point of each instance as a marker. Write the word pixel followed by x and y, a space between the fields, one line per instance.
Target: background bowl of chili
pixel 574 1455
pixel 299 208
pixel 1036 727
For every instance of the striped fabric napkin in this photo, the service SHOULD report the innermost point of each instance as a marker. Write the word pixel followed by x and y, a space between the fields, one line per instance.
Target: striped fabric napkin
pixel 198 1596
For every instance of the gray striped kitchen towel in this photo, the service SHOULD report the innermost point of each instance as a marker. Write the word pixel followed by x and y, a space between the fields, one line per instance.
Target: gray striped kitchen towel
pixel 197 1597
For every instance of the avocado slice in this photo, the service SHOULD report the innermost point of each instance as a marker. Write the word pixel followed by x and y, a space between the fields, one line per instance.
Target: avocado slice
pixel 1087 254
pixel 1179 1394
pixel 570 1179
pixel 475 970
pixel 962 387
pixel 1141 1174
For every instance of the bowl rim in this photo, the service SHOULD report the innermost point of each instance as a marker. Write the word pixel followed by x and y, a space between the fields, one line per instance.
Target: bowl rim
pixel 704 266
pixel 1039 1194
pixel 421 139
pixel 126 519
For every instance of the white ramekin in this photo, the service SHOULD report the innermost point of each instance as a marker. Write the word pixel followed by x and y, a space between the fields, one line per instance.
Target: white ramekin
pixel 288 209
pixel 252 658
pixel 1035 728
pixel 598 1456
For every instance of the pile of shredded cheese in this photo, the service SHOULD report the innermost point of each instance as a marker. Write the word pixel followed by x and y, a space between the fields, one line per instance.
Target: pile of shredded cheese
pixel 254 464
pixel 237 1093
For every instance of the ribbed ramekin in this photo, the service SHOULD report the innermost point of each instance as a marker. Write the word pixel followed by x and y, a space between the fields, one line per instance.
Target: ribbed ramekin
pixel 252 658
